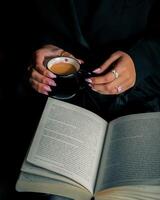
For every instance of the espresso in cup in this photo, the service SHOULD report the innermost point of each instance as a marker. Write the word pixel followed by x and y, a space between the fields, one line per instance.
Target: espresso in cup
pixel 63 66
pixel 67 80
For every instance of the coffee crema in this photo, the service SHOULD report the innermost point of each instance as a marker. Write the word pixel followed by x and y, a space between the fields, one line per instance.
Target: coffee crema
pixel 62 68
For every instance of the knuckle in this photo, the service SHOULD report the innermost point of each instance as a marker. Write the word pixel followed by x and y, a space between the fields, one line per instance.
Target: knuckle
pixel 119 52
pixel 39 88
pixel 42 79
pixel 45 81
pixel 45 72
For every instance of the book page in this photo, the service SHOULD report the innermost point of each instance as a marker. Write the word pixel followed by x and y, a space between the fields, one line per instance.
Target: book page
pixel 33 169
pixel 32 183
pixel 132 192
pixel 132 152
pixel 69 141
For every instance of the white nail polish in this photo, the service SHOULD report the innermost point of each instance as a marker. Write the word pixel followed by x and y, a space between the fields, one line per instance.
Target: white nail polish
pixel 88 80
pixel 97 70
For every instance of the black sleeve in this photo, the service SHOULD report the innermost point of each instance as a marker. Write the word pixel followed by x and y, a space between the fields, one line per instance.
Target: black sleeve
pixel 146 52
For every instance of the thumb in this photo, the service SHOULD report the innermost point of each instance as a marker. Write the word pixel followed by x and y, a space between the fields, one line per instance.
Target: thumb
pixel 66 53
pixel 41 56
pixel 115 56
pixel 80 61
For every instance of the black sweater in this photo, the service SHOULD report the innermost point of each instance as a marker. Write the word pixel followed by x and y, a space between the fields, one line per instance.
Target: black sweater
pixel 93 30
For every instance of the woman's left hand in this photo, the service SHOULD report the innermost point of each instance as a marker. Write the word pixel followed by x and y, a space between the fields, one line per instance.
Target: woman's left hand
pixel 121 77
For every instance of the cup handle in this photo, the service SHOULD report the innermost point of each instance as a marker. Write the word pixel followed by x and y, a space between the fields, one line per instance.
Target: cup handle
pixel 82 75
pixel 85 73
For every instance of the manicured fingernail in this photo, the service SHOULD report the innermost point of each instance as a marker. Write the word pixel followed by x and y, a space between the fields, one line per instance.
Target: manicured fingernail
pixel 52 83
pixel 93 89
pixel 97 70
pixel 90 85
pixel 88 80
pixel 80 62
pixel 51 75
pixel 46 93
pixel 47 88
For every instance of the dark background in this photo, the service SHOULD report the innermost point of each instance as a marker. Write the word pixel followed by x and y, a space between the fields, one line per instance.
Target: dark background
pixel 20 106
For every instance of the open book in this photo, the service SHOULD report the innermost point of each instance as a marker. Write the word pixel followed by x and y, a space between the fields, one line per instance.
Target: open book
pixel 77 154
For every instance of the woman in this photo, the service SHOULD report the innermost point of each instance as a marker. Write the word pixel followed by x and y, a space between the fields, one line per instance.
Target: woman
pixel 118 41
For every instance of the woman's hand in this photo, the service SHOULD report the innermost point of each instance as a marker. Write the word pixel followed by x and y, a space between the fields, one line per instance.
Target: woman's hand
pixel 41 79
pixel 120 78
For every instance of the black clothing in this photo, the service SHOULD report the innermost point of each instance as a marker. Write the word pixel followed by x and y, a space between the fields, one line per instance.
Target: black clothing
pixel 90 30
pixel 94 30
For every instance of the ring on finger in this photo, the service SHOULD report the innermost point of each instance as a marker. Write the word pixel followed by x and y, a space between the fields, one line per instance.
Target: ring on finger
pixel 119 89
pixel 115 73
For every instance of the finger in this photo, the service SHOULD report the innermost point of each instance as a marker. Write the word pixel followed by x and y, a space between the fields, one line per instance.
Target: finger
pixel 41 54
pixel 106 88
pixel 40 87
pixel 66 53
pixel 80 61
pixel 126 73
pixel 42 79
pixel 115 56
pixel 44 71
pixel 120 70
pixel 123 87
pixel 123 82
pixel 107 78
pixel 116 87
pixel 41 68
pixel 119 86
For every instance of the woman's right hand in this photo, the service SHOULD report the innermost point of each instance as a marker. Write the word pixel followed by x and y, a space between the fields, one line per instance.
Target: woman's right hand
pixel 41 79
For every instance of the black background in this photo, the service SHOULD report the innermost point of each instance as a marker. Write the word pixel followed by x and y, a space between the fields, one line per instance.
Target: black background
pixel 20 106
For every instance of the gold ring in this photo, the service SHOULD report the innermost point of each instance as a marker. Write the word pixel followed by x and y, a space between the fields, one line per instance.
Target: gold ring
pixel 115 73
